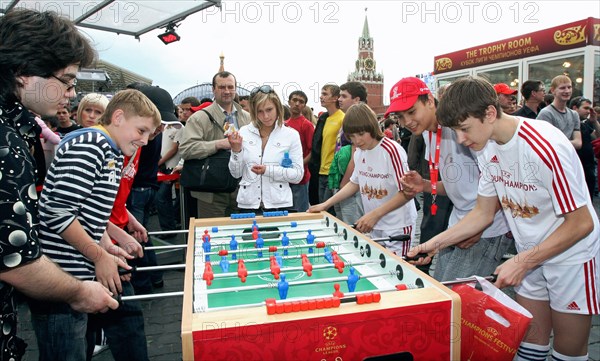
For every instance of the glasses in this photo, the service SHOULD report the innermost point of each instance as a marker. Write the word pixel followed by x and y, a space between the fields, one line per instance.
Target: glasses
pixel 583 100
pixel 70 86
pixel 265 89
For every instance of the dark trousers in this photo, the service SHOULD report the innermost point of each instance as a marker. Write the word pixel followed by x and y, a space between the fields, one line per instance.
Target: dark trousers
pixel 124 330
pixel 139 203
pixel 432 225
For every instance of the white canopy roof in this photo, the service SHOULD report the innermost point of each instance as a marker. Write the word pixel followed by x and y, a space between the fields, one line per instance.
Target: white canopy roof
pixel 128 17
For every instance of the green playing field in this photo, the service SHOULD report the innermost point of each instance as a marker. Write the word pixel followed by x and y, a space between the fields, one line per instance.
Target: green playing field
pixel 268 283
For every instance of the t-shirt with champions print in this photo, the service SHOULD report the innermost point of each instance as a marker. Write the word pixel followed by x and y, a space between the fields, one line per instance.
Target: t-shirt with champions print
pixel 377 172
pixel 538 178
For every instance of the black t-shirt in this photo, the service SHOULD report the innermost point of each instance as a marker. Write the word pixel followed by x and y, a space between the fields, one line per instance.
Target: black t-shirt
pixel 63 131
pixel 586 153
pixel 146 175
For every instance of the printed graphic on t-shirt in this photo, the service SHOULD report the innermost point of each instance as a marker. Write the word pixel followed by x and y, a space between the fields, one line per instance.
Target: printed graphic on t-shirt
pixel 519 210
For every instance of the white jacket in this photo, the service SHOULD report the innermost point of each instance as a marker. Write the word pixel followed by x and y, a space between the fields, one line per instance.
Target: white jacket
pixel 271 188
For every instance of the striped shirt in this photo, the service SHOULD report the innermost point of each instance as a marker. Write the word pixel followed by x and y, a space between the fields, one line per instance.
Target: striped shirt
pixel 81 184
pixel 377 172
pixel 538 178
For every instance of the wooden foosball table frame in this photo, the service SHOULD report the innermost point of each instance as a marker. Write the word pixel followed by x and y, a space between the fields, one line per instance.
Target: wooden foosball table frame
pixel 422 322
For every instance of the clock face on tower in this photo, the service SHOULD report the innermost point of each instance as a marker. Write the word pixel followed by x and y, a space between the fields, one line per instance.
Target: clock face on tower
pixel 369 64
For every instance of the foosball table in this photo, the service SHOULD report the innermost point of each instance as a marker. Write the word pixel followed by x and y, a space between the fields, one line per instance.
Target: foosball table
pixel 306 286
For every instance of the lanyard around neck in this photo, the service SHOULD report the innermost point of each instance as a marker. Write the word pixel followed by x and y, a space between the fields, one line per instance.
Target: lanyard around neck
pixel 434 167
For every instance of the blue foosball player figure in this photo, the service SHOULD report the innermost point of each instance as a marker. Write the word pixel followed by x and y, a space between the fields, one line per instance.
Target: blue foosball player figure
pixel 327 255
pixel 310 239
pixel 285 241
pixel 283 287
pixel 224 263
pixel 260 243
pixel 206 247
pixel 279 259
pixel 233 246
pixel 352 280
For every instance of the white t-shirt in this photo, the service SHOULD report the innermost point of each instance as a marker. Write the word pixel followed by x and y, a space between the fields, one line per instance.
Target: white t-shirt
pixel 378 172
pixel 171 134
pixel 460 175
pixel 538 178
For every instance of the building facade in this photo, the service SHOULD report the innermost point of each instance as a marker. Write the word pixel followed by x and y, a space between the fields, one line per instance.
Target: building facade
pixel 571 49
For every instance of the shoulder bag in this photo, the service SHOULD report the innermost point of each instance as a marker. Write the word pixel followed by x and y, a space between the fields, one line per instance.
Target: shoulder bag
pixel 210 174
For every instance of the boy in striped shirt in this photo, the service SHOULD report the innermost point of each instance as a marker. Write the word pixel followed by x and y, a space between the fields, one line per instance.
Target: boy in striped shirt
pixel 75 206
pixel 531 170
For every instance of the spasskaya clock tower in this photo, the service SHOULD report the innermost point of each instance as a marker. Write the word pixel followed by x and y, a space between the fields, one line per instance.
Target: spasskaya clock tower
pixel 366 70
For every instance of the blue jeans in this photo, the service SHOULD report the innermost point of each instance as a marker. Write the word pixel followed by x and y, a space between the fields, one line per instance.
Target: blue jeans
pixel 124 329
pixel 300 194
pixel 139 203
pixel 59 330
pixel 166 208
pixel 325 192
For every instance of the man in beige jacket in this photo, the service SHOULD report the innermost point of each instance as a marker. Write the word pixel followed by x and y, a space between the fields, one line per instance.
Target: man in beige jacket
pixel 202 138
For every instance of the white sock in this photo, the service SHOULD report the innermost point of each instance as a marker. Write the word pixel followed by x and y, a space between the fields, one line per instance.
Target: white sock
pixel 532 352
pixel 560 357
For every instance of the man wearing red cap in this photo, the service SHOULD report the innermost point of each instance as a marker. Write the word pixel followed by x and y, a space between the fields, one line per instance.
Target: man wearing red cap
pixel 506 97
pixel 412 101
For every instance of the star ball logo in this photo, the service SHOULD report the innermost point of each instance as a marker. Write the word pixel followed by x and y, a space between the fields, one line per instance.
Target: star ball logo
pixel 329 332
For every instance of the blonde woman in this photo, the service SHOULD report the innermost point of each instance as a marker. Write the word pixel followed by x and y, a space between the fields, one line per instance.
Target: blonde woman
pixel 267 156
pixel 90 108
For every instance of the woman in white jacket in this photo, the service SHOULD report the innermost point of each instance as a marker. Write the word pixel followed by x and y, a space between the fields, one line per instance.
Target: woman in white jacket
pixel 267 156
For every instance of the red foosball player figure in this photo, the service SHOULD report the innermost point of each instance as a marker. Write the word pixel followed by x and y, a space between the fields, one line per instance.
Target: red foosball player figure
pixel 275 269
pixel 208 275
pixel 306 265
pixel 242 271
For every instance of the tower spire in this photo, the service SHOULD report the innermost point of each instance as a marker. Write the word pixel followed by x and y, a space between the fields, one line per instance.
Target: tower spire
pixel 365 32
pixel 222 63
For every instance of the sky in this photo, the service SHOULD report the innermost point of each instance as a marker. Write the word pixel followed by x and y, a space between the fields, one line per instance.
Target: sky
pixel 303 45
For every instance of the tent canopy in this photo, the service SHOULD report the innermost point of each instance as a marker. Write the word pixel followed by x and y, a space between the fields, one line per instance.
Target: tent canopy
pixel 128 17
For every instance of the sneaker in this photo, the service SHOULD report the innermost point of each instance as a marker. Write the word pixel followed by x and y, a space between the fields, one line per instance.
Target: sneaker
pixel 158 284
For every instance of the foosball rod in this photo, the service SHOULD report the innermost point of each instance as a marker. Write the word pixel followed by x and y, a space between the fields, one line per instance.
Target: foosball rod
pixel 150 296
pixel 270 249
pixel 491 278
pixel 289 269
pixel 292 224
pixel 173 246
pixel 151 268
pixel 253 241
pixel 267 259
pixel 217 244
pixel 291 283
pixel 161 233
pixel 314 231
pixel 345 299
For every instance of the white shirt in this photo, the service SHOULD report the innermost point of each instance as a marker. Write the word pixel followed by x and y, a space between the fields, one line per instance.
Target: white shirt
pixel 378 172
pixel 171 134
pixel 538 178
pixel 460 176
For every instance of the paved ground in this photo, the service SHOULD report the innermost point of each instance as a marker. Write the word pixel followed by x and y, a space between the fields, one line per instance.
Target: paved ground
pixel 163 320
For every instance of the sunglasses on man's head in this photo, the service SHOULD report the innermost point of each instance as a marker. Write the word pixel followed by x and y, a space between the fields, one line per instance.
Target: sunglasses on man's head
pixel 583 100
pixel 265 89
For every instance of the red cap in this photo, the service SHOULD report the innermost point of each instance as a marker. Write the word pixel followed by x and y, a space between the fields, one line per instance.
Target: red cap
pixel 502 88
pixel 200 107
pixel 405 93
